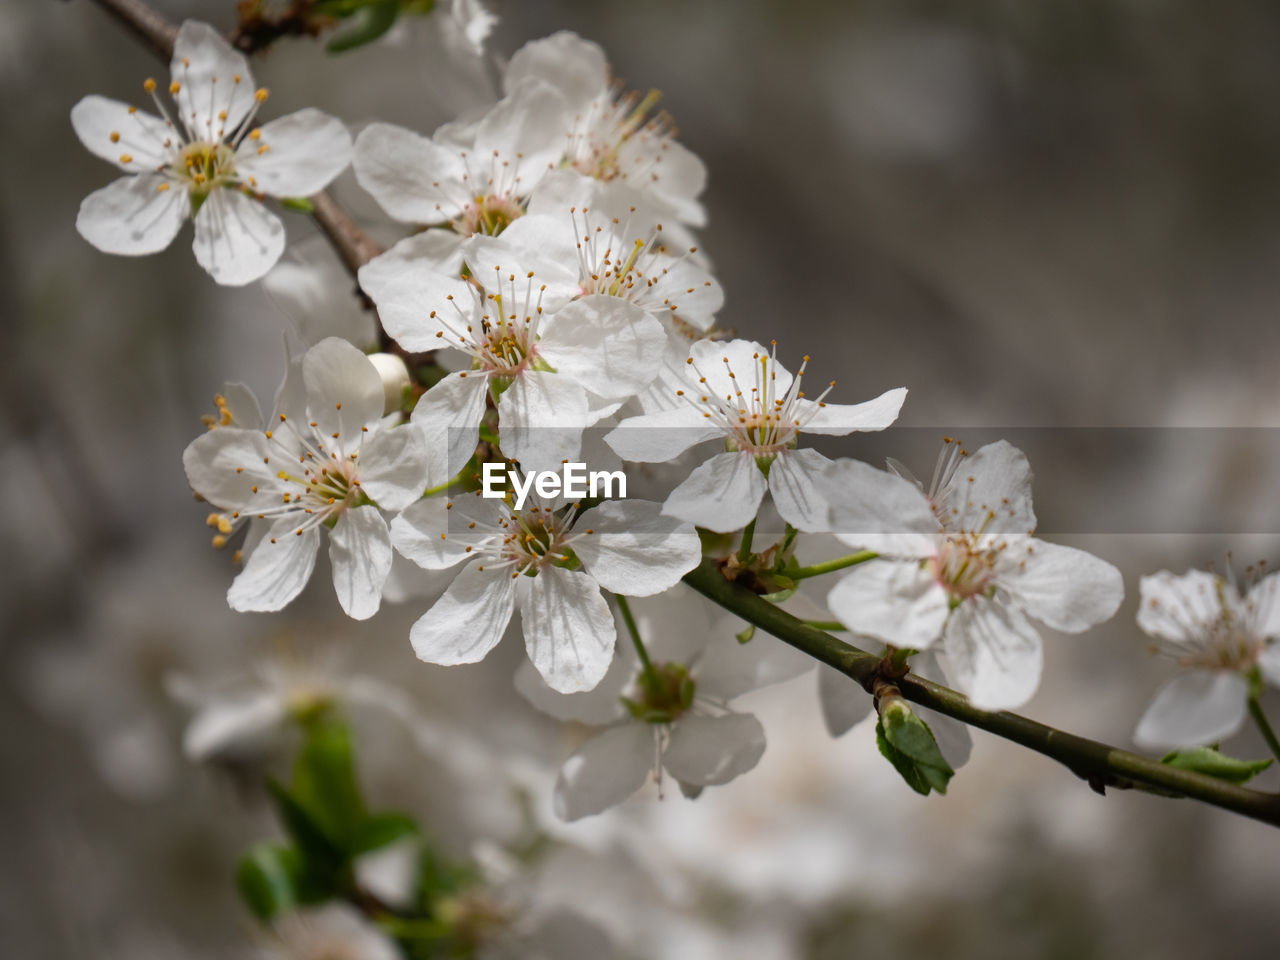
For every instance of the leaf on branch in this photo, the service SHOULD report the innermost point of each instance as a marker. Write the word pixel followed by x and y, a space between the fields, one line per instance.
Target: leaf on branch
pixel 373 19
pixel 1209 761
pixel 270 880
pixel 906 741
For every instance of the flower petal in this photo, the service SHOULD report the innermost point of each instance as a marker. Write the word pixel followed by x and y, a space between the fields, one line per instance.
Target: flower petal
pixel 419 305
pixel 525 129
pixel 596 707
pixel 722 494
pixel 413 179
pixel 793 482
pixel 469 620
pixel 838 419
pixel 707 751
pixel 727 669
pixel 661 436
pixel 393 466
pixel 541 417
pixel 449 416
pixel 344 394
pixel 237 238
pixel 132 216
pixel 277 569
pixel 296 155
pixel 440 531
pixel 1178 608
pixel 897 601
pixel 360 554
pixel 112 130
pixel 609 346
pixel 605 771
pixel 577 68
pixel 505 269
pixel 214 78
pixel 1195 708
pixel 877 510
pixel 568 629
pixel 992 492
pixel 1062 587
pixel 995 653
pixel 633 549
pixel 844 703
pixel 233 728
pixel 226 465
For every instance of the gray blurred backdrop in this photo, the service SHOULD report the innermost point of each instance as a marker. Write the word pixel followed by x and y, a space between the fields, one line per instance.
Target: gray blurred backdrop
pixel 1060 213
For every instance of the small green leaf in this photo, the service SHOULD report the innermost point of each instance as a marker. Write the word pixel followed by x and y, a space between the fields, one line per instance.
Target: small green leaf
pixel 321 854
pixel 746 635
pixel 383 829
pixel 269 879
pixel 324 780
pixel 372 21
pixel 906 741
pixel 299 204
pixel 1208 760
pixel 779 596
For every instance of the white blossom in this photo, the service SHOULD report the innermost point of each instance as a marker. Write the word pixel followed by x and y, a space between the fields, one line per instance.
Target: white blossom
pixel 550 561
pixel 739 394
pixel 1221 638
pixel 960 563
pixel 334 931
pixel 204 159
pixel 328 461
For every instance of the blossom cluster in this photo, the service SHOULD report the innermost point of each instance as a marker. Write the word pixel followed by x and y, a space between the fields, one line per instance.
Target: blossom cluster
pixel 552 286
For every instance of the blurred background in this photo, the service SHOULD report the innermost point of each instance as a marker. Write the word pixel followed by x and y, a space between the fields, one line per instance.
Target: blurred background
pixel 1059 214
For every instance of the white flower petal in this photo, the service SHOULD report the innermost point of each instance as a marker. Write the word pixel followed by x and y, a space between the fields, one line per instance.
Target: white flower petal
pixel 1177 608
pixel 132 216
pixel 728 669
pixel 877 510
pixel 502 267
pixel 303 152
pixel 661 436
pixel 417 303
pixel 277 569
pixel 469 620
pixel 541 417
pixel 708 751
pixel 605 771
pixel 793 482
pixel 393 466
pixel 550 238
pixel 1062 587
pixel 208 68
pixel 596 707
pixel 344 394
pixel 633 549
pixel 722 494
pixel 360 554
pixel 224 466
pixel 838 419
pixel 1269 663
pixel 609 346
pixel 568 629
pixel 526 130
pixel 992 492
pixel 237 238
pixel 668 171
pixel 716 359
pixel 897 601
pixel 953 736
pixel 995 653
pixel 1263 604
pixel 844 703
pixel 449 416
pixel 1194 709
pixel 437 532
pixel 234 727
pixel 109 130
pixel 413 179
pixel 577 68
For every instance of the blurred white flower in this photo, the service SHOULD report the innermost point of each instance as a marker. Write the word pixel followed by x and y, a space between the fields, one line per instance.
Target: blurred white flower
pixel 960 562
pixel 551 564
pixel 334 931
pixel 328 461
pixel 672 715
pixel 1221 637
pixel 738 393
pixel 610 134
pixel 312 289
pixel 204 160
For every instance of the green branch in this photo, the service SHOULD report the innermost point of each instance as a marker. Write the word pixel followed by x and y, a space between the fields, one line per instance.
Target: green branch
pixel 1264 726
pixel 1099 764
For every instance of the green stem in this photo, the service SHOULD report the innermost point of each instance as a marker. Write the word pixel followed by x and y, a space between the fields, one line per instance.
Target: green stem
pixel 629 619
pixel 830 566
pixel 1260 718
pixel 748 533
pixel 1098 763
pixel 825 624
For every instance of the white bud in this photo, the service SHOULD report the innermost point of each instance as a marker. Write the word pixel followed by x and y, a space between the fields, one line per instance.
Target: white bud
pixel 395 377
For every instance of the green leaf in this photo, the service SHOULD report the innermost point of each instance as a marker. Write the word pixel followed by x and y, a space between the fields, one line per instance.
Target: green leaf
pixel 372 21
pixel 270 880
pixel 1208 760
pixel 324 781
pixel 383 829
pixel 787 591
pixel 906 741
pixel 746 635
pixel 322 855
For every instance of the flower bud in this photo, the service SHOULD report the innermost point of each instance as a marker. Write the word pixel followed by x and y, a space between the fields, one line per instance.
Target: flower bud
pixel 395 379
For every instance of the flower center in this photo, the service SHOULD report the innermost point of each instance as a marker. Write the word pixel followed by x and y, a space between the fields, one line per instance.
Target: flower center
pixel 964 568
pixel 488 215
pixel 201 166
pixel 661 695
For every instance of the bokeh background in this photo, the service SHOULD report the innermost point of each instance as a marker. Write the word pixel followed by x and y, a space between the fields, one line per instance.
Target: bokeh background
pixel 1051 214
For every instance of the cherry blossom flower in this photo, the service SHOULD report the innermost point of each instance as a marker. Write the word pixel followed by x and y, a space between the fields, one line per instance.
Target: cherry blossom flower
pixel 612 135
pixel 553 366
pixel 328 932
pixel 739 394
pixel 1223 639
pixel 960 563
pixel 550 561
pixel 674 717
pixel 204 159
pixel 327 462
